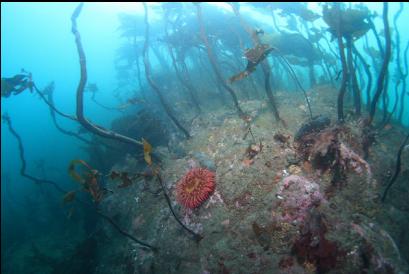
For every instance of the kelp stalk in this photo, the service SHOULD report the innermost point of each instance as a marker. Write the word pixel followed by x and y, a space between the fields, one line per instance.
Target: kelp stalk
pixel 397 168
pixel 150 80
pixel 382 73
pixel 164 65
pixel 324 65
pixel 372 54
pixel 402 75
pixel 295 78
pixel 329 45
pixel 266 68
pixel 196 237
pixel 264 64
pixel 53 110
pixel 242 48
pixel 7 120
pixel 395 104
pixel 385 98
pixel 313 80
pixel 36 180
pixel 182 79
pixel 368 75
pixel 124 233
pixel 213 62
pixel 138 75
pixel 81 86
pixel 378 40
pixel 50 102
pixel 51 105
pixel 352 78
pixel 267 86
pixel 342 89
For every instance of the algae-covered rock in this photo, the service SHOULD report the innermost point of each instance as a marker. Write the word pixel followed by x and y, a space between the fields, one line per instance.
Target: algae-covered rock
pixel 205 160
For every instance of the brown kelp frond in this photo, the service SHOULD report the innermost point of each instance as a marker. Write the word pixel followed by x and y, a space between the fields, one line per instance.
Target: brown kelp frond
pixel 127 178
pixel 147 150
pixel 254 56
pixel 16 84
pixel 124 177
pixel 7 119
pixel 88 179
pixel 69 197
pixel 352 22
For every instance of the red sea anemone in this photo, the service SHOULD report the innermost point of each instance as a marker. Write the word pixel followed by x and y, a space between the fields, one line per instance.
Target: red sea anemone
pixel 195 187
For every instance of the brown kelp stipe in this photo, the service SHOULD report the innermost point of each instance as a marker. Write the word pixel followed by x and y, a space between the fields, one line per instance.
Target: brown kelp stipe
pixel 402 75
pixel 126 234
pixel 368 75
pixel 51 105
pixel 383 72
pixel 181 74
pixel 287 65
pixel 267 70
pixel 264 63
pixel 155 171
pixel 352 77
pixel 197 237
pixel 342 89
pixel 106 133
pixel 6 118
pixel 213 62
pixel 48 96
pixel 397 168
pixel 154 86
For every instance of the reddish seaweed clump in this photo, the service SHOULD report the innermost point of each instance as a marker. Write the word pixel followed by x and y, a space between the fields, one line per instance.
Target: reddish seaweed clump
pixel 286 262
pixel 195 187
pixel 312 246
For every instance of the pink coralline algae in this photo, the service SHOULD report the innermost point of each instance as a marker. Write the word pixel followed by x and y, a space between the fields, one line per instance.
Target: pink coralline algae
pixel 297 195
pixel 352 160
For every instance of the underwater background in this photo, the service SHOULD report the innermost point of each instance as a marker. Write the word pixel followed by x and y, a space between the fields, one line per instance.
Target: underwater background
pixel 213 141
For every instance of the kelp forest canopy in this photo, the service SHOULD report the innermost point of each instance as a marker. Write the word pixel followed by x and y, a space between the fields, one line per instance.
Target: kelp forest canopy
pixel 249 136
pixel 227 52
pixel 308 43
